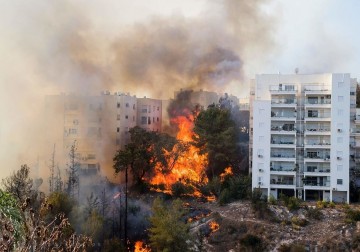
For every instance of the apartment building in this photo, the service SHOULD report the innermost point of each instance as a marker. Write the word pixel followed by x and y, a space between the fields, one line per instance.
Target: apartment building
pixel 300 135
pixel 99 124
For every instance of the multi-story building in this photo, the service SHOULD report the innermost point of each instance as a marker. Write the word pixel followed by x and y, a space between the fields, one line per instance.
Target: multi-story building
pixel 300 135
pixel 99 124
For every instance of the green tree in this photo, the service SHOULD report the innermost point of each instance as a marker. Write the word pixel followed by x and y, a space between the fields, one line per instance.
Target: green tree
pixel 60 202
pixel 217 134
pixel 168 231
pixel 93 226
pixel 19 184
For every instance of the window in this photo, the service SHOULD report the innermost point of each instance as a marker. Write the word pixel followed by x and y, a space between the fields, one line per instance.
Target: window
pixel 260 153
pixel 149 120
pixel 117 129
pixel 340 112
pixel 134 107
pixel 118 105
pixel 133 118
pixel 127 105
pixel 126 117
pixel 157 119
pixel 149 109
pixel 72 131
pixel 339 154
pixel 339 140
pixel 158 108
pixel 143 120
pixel 352 93
pixel 339 167
pixel 340 98
pixel 153 119
pixel 313 113
pixel 339 181
pixel 118 117
pixel 144 109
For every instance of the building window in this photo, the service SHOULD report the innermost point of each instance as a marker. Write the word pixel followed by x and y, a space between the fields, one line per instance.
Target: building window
pixel 340 112
pixel 352 93
pixel 340 98
pixel 144 109
pixel 134 107
pixel 133 118
pixel 339 167
pixel 149 109
pixel 149 120
pixel 339 181
pixel 143 120
pixel 158 108
pixel 157 119
pixel 260 153
pixel 118 105
pixel 76 122
pixel 117 129
pixel 339 155
pixel 153 119
pixel 126 117
pixel 118 117
pixel 73 131
pixel 127 105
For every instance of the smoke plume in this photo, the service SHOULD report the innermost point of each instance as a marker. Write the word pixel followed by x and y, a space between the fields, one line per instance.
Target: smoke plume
pixel 60 46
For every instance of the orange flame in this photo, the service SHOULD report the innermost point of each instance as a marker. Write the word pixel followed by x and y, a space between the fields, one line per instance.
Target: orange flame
pixel 214 226
pixel 141 247
pixel 227 172
pixel 188 167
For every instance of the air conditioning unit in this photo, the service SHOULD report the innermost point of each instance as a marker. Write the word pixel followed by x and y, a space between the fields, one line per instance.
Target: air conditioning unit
pixel 339 130
pixel 261 170
pixel 260 183
pixel 334 189
pixel 260 156
pixel 339 158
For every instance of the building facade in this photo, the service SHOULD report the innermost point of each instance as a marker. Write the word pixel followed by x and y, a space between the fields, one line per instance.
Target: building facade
pixel 300 135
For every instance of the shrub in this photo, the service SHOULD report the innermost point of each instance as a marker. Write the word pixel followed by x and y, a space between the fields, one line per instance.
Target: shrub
pixel 250 240
pixel 298 221
pixel 178 189
pixel 352 215
pixel 272 200
pixel 332 204
pixel 292 203
pixel 225 197
pixel 322 204
pixel 314 213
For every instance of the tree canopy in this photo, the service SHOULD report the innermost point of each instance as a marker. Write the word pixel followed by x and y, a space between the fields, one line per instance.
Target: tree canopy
pixel 145 150
pixel 168 231
pixel 217 134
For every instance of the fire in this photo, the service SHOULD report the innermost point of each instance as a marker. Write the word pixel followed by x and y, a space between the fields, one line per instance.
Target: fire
pixel 141 247
pixel 214 226
pixel 190 166
pixel 227 172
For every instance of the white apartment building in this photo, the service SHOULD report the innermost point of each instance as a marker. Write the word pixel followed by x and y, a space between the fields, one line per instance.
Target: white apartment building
pixel 300 135
pixel 149 114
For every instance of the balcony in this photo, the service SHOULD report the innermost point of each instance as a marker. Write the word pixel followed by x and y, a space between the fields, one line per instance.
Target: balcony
pixel 318 104
pixel 355 132
pixel 317 185
pixel 284 184
pixel 320 89
pixel 317 145
pixel 282 157
pixel 317 159
pixel 317 172
pixel 279 170
pixel 317 131
pixel 283 103
pixel 283 144
pixel 283 89
pixel 318 117
pixel 278 116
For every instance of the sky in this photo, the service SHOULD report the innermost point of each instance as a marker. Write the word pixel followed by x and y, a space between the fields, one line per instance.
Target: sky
pixel 154 47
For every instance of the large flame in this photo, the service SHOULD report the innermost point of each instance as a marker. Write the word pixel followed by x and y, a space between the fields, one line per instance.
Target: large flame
pixel 190 166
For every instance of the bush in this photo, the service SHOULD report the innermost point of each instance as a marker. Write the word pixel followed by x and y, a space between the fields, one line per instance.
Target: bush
pixel 292 203
pixel 322 204
pixel 332 204
pixel 178 189
pixel 298 221
pixel 272 200
pixel 239 187
pixel 250 240
pixel 352 215
pixel 314 213
pixel 225 197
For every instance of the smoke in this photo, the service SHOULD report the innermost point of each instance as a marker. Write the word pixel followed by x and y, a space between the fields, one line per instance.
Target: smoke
pixel 60 46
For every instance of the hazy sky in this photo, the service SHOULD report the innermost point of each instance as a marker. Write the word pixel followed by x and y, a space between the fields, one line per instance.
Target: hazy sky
pixel 142 45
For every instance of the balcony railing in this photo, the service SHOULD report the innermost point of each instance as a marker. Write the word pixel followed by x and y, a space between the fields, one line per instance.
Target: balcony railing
pixel 318 130
pixel 321 102
pixel 318 143
pixel 324 157
pixel 284 169
pixel 282 156
pixel 283 101
pixel 318 170
pixel 325 184
pixel 317 88
pixel 282 182
pixel 323 115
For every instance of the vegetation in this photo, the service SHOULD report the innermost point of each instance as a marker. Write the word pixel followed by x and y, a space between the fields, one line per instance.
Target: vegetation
pixel 314 213
pixel 292 203
pixel 168 231
pixel 217 134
